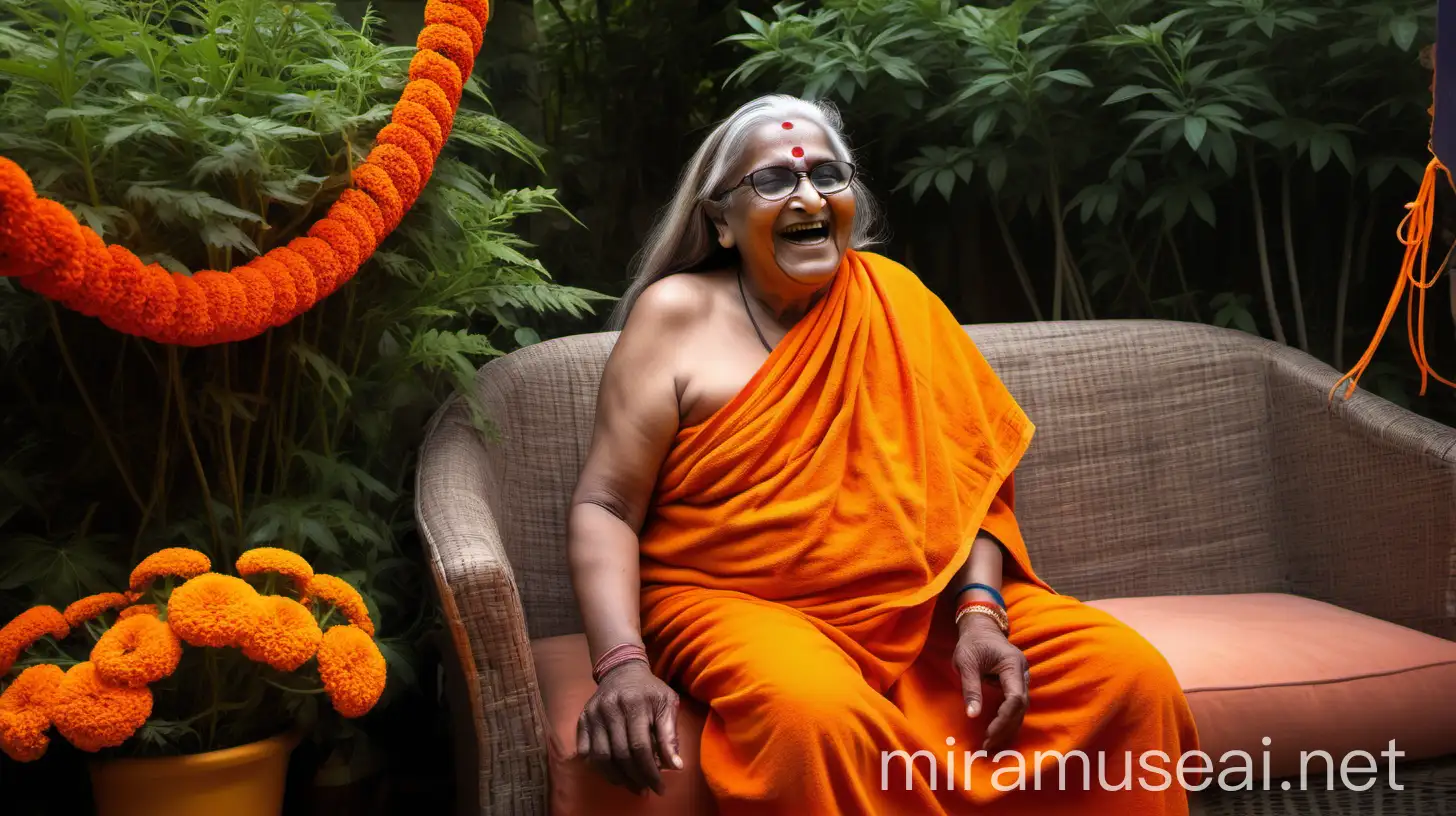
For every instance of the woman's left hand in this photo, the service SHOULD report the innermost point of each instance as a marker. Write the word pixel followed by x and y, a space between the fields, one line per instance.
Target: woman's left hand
pixel 983 651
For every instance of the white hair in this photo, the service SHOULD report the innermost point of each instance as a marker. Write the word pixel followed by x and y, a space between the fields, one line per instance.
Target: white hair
pixel 682 239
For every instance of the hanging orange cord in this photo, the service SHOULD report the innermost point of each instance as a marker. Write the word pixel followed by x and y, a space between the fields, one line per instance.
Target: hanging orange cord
pixel 1415 233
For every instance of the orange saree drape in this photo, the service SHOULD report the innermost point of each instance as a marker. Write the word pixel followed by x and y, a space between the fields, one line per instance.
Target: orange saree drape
pixel 794 569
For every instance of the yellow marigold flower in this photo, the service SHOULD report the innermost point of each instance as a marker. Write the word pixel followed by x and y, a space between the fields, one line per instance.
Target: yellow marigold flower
pixel 179 562
pixel 286 635
pixel 139 609
pixel 352 668
pixel 274 559
pixel 137 651
pixel 25 629
pixel 94 714
pixel 343 597
pixel 214 610
pixel 93 605
pixel 25 712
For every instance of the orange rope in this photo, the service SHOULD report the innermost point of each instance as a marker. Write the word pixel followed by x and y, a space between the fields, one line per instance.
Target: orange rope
pixel 1415 233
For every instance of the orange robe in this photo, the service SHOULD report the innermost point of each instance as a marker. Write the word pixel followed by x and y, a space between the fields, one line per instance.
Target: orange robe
pixel 795 566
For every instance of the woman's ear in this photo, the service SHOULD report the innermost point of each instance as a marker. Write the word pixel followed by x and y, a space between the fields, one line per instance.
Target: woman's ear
pixel 718 214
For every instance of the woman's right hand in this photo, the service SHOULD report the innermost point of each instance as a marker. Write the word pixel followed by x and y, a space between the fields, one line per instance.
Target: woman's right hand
pixel 628 729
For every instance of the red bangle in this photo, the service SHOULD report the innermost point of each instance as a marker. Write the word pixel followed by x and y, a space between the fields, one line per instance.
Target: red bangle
pixel 616 656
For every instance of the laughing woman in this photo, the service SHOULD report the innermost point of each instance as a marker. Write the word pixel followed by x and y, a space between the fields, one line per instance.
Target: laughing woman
pixel 797 509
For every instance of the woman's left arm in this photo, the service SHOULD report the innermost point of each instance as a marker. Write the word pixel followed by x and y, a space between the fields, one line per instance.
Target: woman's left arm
pixel 983 648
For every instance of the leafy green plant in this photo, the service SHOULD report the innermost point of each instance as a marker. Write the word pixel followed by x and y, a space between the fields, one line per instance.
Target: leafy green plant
pixel 1136 156
pixel 198 133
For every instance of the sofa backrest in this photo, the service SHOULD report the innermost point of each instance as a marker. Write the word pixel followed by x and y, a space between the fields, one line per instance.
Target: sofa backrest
pixel 1150 472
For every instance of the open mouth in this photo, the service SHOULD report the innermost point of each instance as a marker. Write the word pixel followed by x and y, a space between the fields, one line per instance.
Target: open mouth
pixel 806 234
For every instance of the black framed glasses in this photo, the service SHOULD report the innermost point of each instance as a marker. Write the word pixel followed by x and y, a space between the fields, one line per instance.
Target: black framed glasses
pixel 775 183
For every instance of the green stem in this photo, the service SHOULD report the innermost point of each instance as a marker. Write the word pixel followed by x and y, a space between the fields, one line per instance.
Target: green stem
pixel 174 371
pixel 235 487
pixel 282 687
pixel 105 435
pixel 215 681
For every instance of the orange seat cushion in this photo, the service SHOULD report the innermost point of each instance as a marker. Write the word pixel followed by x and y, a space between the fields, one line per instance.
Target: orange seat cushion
pixel 1307 675
pixel 563 671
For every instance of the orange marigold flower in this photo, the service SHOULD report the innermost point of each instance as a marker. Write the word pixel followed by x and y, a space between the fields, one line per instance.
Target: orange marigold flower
pixel 159 301
pixel 361 203
pixel 401 169
pixel 444 13
pixel 412 142
pixel 450 41
pixel 176 562
pixel 25 629
pixel 357 225
pixel 226 303
pixel 258 292
pixel 25 712
pixel 434 97
pixel 323 260
pixel 45 240
pixel 305 285
pixel 342 241
pixel 285 294
pixel 214 610
pixel 139 609
pixel 94 714
pixel 416 116
pixel 275 559
pixel 286 635
pixel 353 670
pixel 343 597
pixel 191 324
pixel 93 605
pixel 137 651
pixel 124 296
pixel 480 9
pixel 95 287
pixel 372 179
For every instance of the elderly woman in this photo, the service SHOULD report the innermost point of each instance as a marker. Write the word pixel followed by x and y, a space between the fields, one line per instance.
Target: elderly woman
pixel 797 509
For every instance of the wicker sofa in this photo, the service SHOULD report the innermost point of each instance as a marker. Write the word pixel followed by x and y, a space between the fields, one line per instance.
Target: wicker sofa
pixel 1295 559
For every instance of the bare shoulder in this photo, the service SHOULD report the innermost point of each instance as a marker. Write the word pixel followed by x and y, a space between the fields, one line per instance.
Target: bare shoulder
pixel 672 304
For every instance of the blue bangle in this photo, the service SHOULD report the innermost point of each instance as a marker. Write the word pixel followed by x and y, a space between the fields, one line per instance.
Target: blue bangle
pixel 994 594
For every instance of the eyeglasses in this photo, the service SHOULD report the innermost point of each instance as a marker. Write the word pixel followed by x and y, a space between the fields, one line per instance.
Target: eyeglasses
pixel 774 183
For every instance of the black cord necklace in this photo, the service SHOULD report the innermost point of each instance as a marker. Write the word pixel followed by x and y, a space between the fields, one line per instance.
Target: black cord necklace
pixel 746 308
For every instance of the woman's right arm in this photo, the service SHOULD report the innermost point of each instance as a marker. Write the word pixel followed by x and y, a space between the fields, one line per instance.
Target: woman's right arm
pixel 630 722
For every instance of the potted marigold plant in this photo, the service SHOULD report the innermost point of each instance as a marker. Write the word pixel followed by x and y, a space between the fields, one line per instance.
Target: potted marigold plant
pixel 189 655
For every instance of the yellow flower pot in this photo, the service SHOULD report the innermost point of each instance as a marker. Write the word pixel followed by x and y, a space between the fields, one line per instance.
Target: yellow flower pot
pixel 244 781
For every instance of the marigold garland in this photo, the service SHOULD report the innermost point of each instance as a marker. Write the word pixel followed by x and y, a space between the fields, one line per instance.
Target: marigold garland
pixel 173 562
pixel 93 714
pixel 286 635
pixel 353 670
pixel 343 597
pixel 137 651
pixel 25 629
pixel 48 251
pixel 91 606
pixel 214 610
pixel 25 712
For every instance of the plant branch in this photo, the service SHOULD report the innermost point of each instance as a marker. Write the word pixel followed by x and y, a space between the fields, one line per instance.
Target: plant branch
pixel 101 430
pixel 1266 276
pixel 174 372
pixel 1294 288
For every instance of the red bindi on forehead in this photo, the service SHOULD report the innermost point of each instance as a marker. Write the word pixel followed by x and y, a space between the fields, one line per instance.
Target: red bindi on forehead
pixel 798 152
pixel 788 126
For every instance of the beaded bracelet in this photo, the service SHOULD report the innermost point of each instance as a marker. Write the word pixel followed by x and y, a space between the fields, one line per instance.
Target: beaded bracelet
pixel 616 656
pixel 988 609
pixel 984 588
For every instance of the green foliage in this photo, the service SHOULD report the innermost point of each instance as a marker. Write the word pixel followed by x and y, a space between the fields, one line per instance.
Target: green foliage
pixel 198 133
pixel 1137 135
